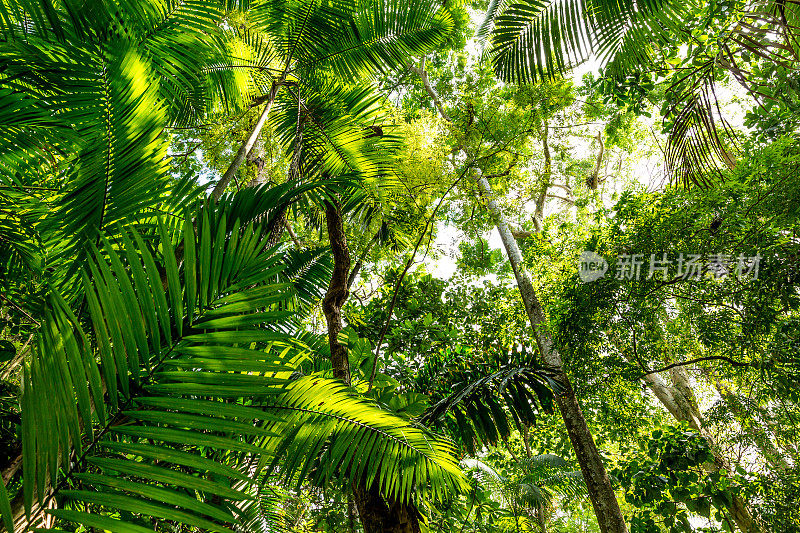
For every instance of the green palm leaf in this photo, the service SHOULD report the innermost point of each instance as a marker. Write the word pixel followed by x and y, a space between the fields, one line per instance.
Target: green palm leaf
pixel 333 435
pixel 360 38
pixel 339 124
pixel 176 376
pixel 531 40
pixel 479 395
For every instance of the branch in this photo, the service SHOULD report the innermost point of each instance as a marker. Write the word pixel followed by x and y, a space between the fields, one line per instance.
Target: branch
pixel 420 71
pixel 698 360
pixel 562 198
pixel 521 234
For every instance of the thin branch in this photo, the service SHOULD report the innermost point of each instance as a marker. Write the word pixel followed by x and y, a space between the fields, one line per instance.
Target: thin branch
pixel 400 279
pixel 21 310
pixel 698 360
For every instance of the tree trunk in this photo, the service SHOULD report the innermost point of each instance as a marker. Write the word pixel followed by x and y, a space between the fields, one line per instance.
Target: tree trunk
pixel 759 434
pixel 241 155
pixel 378 515
pixel 685 398
pixel 601 493
pixel 337 291
pixel 680 401
pixel 538 214
pixel 609 516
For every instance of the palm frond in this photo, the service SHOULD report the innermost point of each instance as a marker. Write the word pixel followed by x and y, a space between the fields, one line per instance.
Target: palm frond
pixel 29 136
pixel 139 409
pixel 696 145
pixel 310 273
pixel 172 362
pixel 379 36
pixel 339 124
pixel 538 39
pixel 481 395
pixel 532 40
pixel 333 435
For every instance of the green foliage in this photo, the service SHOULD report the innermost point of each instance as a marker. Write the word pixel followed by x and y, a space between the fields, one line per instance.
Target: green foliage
pixel 196 369
pixel 672 478
pixel 478 258
pixel 481 392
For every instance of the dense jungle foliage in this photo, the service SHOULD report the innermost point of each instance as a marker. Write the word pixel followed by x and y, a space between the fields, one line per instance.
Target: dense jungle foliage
pixel 400 266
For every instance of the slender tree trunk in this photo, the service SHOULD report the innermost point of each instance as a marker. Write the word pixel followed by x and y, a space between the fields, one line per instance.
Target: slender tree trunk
pixel 420 71
pixel 378 515
pixel 337 291
pixel 609 516
pixel 538 214
pixel 241 155
pixel 604 501
pixel 680 401
pixel 594 180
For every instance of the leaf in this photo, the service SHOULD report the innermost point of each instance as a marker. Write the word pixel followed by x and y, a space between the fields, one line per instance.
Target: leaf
pixel 7 351
pixel 5 508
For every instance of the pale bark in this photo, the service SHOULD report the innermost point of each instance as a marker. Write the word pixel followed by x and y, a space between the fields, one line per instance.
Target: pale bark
pixel 245 148
pixel 538 214
pixel 680 401
pixel 594 178
pixel 288 226
pixel 601 493
pixel 759 434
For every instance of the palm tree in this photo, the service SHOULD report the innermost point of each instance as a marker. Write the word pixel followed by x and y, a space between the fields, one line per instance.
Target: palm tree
pixel 87 93
pixel 531 488
pixel 318 43
pixel 171 358
pixel 531 40
pixel 196 374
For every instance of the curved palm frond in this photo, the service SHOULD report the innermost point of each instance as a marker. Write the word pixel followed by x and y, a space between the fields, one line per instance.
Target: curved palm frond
pixel 360 38
pixel 533 482
pixel 532 40
pixel 553 473
pixel 537 39
pixel 99 83
pixel 265 513
pixel 157 402
pixel 340 134
pixel 482 394
pixel 379 36
pixel 334 435
pixel 21 251
pixel 172 362
pixel 120 167
pixel 25 122
pixel 696 145
pixel 310 273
